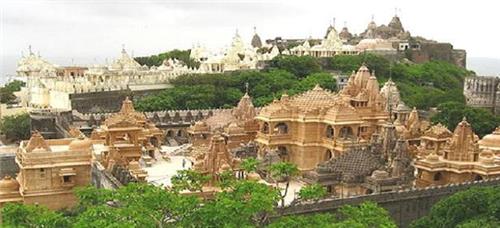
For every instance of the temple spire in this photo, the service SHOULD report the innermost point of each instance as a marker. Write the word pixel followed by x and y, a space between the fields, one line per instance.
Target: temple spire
pixel 30 50
pixel 123 49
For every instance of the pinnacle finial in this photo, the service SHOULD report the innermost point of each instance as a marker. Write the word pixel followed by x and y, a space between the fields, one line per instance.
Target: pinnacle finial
pixel 333 22
pixel 246 87
pixel 373 17
pixel 123 49
pixel 29 49
pixel 345 24
pixel 254 29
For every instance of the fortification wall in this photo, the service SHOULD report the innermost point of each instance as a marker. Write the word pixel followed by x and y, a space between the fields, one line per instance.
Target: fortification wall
pixel 105 101
pixel 403 206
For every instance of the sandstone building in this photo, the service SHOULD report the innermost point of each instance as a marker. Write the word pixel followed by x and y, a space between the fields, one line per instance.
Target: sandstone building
pixel 50 170
pixel 315 126
pixel 458 159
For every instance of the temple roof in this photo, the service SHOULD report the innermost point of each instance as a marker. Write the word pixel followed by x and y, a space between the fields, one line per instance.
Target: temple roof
pixel 491 140
pixel 256 42
pixel 353 166
pixel 438 131
pixel 314 99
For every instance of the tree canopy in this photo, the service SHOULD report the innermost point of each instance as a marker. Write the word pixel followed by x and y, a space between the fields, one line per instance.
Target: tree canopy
pixel 157 60
pixel 483 122
pixel 16 127
pixel 475 207
pixel 7 92
pixel 242 203
pixel 421 85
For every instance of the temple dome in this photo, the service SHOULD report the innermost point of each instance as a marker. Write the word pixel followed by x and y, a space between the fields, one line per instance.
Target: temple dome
pixel 396 24
pixel 256 41
pixel 234 129
pixel 8 185
pixel 491 141
pixel 80 144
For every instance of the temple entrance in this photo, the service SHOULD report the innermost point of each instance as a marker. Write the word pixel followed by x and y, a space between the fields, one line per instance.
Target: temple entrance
pixel 330 132
pixel 438 176
pixel 478 178
pixel 328 155
pixel 283 153
pixel 170 133
pixel 154 141
pixel 346 133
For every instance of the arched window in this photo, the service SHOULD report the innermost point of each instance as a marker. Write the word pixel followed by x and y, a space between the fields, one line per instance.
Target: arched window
pixel 265 128
pixel 170 133
pixel 346 133
pixel 330 132
pixel 281 129
pixel 328 155
pixel 438 176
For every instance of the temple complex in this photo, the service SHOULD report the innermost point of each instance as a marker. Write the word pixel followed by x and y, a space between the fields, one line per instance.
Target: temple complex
pixel 52 86
pixel 318 125
pixel 330 46
pixel 237 126
pixel 126 138
pixel 50 170
pixel 238 56
pixel 457 159
pixel 216 160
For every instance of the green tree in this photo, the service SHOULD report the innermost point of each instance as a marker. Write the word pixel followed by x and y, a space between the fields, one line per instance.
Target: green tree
pixel 367 214
pixel 7 92
pixel 283 172
pixel 157 60
pixel 301 66
pixel 312 192
pixel 19 215
pixel 246 204
pixel 249 165
pixel 16 127
pixel 470 208
pixel 189 180
pixel 451 113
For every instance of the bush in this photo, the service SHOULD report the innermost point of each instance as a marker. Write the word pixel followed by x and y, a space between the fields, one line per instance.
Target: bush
pixel 16 127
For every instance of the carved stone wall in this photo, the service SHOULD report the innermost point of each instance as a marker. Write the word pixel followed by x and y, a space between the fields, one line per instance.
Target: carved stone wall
pixel 482 92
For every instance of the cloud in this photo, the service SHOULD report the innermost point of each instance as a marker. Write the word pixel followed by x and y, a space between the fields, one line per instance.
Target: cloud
pixel 95 29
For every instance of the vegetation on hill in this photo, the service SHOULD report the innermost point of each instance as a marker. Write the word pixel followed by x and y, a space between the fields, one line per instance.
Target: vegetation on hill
pixel 475 207
pixel 7 92
pixel 421 85
pixel 483 122
pixel 16 127
pixel 157 60
pixel 241 203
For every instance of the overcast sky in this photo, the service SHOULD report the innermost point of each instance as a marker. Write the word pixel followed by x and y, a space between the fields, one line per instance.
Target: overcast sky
pixel 93 30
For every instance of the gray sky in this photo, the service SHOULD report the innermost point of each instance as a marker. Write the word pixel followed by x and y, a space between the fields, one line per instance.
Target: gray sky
pixel 92 30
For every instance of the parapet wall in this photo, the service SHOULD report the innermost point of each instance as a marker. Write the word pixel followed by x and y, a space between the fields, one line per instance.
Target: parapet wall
pixel 403 206
pixel 101 178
